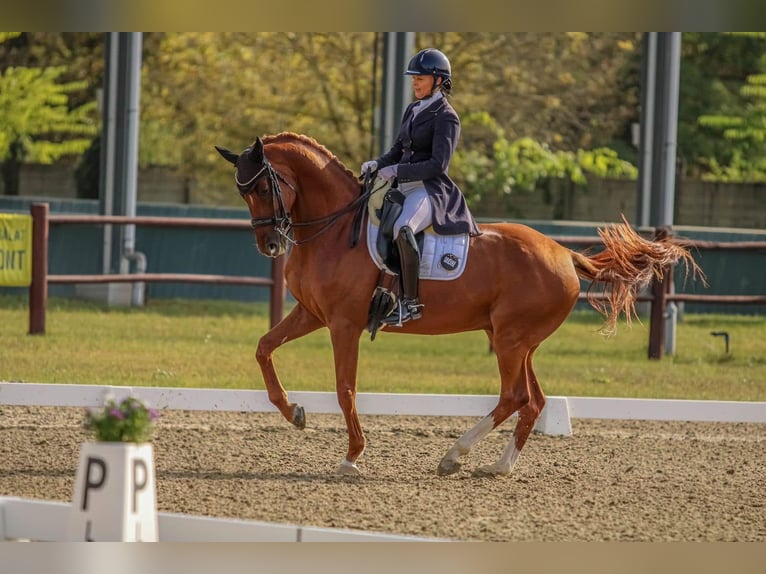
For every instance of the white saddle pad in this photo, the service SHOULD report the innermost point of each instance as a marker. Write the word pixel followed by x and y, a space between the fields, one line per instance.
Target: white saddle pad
pixel 443 257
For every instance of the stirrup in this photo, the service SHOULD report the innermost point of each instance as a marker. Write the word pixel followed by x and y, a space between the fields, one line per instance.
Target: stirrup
pixel 406 310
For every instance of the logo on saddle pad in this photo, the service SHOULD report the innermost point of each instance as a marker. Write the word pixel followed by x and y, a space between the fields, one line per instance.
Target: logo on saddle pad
pixel 449 261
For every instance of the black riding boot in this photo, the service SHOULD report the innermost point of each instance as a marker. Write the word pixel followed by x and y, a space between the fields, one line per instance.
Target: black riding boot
pixel 409 307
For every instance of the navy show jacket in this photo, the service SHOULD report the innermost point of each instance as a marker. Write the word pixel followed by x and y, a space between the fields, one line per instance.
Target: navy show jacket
pixel 423 150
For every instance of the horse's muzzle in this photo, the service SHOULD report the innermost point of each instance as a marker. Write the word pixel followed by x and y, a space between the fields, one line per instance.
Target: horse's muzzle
pixel 272 246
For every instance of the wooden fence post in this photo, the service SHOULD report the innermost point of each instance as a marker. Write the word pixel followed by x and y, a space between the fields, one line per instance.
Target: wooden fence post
pixel 659 291
pixel 38 288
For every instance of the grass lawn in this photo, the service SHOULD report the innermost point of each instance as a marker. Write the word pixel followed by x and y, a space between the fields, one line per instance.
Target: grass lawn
pixel 211 344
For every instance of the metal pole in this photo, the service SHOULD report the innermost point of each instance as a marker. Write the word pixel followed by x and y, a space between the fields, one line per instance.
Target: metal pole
pixel 670 129
pixel 108 139
pixel 663 176
pixel 396 92
pixel 38 288
pixel 387 97
pixel 374 102
pixel 647 128
pixel 666 128
pixel 405 45
pixel 133 81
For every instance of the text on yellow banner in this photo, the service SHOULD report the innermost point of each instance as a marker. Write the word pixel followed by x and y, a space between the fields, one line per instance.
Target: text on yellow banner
pixel 15 250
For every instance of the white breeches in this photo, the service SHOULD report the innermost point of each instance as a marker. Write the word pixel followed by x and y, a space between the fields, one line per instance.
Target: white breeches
pixel 416 212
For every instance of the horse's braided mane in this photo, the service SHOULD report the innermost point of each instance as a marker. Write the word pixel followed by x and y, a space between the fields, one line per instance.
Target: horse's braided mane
pixel 292 137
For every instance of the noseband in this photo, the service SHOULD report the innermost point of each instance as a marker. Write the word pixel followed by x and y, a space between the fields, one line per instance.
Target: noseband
pixel 281 221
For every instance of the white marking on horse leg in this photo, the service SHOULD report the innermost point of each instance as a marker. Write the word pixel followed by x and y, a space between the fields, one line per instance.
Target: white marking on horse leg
pixel 348 468
pixel 466 442
pixel 504 464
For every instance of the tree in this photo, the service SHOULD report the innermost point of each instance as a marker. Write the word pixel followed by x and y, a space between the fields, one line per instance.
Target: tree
pixel 229 88
pixel 567 90
pixel 502 166
pixel 713 68
pixel 569 93
pixel 37 124
pixel 743 130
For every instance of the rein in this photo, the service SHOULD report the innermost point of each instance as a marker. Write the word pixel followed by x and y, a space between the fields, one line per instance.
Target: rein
pixel 282 221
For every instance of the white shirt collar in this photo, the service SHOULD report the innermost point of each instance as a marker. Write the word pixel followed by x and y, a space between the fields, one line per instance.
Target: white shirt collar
pixel 425 102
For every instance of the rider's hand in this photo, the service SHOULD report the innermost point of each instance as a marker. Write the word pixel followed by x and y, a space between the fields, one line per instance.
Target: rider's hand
pixel 388 172
pixel 369 166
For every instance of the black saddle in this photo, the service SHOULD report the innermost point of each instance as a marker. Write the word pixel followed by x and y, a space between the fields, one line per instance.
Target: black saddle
pixel 393 204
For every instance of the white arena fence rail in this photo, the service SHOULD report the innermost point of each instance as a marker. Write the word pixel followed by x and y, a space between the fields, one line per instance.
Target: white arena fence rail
pixel 47 521
pixel 555 418
pixel 22 519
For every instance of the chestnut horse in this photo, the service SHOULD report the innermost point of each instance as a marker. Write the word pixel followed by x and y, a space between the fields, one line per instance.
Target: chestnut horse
pixel 518 286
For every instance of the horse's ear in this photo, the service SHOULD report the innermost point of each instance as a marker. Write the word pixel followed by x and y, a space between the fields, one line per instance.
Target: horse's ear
pixel 256 152
pixel 227 155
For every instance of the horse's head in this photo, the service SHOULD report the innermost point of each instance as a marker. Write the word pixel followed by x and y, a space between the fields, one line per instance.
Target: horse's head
pixel 259 185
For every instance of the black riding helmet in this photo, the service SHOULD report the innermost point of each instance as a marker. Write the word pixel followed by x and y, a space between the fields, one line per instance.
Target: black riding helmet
pixel 431 62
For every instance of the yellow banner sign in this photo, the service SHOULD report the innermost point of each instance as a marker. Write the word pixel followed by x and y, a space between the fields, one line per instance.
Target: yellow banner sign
pixel 15 250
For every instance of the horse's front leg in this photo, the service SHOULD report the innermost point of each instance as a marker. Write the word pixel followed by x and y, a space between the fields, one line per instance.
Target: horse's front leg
pixel 299 322
pixel 345 344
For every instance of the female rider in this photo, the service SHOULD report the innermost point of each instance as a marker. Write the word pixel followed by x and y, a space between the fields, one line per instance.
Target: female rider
pixel 419 160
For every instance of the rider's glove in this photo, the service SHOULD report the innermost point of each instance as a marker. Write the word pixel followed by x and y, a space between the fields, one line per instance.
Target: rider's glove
pixel 369 166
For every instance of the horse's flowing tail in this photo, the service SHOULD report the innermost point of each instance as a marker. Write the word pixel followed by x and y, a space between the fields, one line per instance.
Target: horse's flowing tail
pixel 626 265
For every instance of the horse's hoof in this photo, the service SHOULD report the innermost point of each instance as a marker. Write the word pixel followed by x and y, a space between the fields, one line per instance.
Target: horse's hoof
pixel 347 468
pixel 447 467
pixel 299 417
pixel 488 471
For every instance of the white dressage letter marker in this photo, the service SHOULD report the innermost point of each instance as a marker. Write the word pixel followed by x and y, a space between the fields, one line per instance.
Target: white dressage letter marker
pixel 138 482
pixel 115 494
pixel 93 462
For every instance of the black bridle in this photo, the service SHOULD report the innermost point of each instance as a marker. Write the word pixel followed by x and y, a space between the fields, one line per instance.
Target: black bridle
pixel 281 221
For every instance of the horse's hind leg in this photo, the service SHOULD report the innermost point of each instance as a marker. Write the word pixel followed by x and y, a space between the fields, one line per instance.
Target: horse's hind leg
pixel 513 396
pixel 528 415
pixel 299 322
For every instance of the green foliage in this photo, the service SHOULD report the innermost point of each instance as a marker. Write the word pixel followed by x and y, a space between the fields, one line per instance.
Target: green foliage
pixel 8 36
pixel 34 112
pixel 740 121
pixel 38 121
pixel 228 88
pixel 604 162
pixel 130 420
pixel 525 164
pixel 560 99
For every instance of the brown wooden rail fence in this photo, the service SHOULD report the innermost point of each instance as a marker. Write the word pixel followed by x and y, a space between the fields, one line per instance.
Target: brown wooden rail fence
pixel 660 293
pixel 38 289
